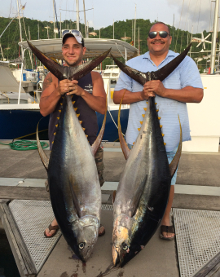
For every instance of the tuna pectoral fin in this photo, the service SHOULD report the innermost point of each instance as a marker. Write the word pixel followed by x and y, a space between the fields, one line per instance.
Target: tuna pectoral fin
pixel 124 146
pixel 98 140
pixel 173 165
pixel 41 152
pixel 135 199
pixel 74 197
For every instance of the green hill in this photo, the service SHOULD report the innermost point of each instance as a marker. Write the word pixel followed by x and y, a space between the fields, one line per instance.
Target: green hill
pixel 35 29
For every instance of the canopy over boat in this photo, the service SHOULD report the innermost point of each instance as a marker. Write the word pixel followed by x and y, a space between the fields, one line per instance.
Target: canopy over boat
pixel 52 48
pixel 7 79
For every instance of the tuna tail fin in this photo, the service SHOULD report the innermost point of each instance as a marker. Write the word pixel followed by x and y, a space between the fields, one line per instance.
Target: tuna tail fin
pixel 64 72
pixel 124 146
pixel 41 152
pixel 98 140
pixel 173 165
pixel 160 74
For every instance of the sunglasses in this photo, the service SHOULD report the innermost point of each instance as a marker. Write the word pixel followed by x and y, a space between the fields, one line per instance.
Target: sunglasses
pixel 77 34
pixel 162 34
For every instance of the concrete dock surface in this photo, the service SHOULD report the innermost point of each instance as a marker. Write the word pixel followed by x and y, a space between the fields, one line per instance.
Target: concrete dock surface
pixel 198 187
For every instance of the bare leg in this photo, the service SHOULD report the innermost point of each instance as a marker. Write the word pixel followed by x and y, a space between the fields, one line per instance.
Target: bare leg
pixel 166 217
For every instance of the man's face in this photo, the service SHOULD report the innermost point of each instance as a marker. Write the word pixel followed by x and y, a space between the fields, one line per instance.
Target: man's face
pixel 73 52
pixel 159 46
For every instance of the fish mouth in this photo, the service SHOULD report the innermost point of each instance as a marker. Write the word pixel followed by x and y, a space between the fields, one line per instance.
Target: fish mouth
pixel 115 256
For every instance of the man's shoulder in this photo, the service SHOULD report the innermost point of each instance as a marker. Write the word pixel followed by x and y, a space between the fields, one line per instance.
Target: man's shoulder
pixel 137 59
pixel 95 75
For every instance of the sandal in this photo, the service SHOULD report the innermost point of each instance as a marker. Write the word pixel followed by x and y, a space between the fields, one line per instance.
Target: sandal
pixel 101 233
pixel 166 229
pixel 50 227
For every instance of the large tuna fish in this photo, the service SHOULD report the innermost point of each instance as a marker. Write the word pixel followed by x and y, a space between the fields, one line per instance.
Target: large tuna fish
pixel 72 174
pixel 144 185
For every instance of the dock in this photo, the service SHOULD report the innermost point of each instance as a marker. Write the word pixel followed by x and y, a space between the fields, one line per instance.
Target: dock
pixel 25 212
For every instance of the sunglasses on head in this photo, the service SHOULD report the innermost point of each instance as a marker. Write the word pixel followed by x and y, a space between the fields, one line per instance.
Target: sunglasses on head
pixel 162 34
pixel 73 32
pixel 77 34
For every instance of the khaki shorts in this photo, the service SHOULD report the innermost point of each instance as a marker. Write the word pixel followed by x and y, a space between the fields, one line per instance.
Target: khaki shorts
pixel 99 164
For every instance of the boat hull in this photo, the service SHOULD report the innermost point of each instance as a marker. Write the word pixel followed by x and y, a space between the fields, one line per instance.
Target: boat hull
pixel 22 124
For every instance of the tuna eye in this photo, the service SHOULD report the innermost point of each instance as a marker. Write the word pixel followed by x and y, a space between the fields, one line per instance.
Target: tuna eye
pixel 81 245
pixel 124 246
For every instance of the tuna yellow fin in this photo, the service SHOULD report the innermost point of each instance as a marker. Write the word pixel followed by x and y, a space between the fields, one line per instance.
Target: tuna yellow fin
pixel 98 140
pixel 173 165
pixel 124 146
pixel 41 152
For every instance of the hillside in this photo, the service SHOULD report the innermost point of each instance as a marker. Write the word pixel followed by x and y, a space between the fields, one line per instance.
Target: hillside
pixel 35 29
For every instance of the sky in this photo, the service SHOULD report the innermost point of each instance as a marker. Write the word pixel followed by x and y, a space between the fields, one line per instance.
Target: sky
pixel 192 15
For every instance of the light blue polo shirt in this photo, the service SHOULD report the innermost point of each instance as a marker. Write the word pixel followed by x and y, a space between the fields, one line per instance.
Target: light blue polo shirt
pixel 186 74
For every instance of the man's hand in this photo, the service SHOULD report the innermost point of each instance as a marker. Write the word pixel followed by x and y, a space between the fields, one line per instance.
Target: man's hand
pixel 151 88
pixel 70 87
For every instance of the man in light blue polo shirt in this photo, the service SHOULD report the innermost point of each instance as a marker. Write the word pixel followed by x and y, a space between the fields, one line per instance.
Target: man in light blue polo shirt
pixel 182 86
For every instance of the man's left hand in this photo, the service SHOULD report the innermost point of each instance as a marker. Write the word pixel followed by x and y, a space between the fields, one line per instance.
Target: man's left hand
pixel 76 89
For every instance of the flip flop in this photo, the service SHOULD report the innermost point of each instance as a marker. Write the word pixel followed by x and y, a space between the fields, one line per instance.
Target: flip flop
pixel 166 229
pixel 103 232
pixel 50 227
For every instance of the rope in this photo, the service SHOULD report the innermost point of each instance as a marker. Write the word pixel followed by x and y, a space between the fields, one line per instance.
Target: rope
pixel 24 145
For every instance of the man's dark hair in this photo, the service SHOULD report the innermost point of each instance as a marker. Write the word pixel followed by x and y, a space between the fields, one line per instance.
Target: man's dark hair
pixel 160 22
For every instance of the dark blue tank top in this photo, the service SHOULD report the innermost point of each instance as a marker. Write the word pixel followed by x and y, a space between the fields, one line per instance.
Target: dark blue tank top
pixel 87 115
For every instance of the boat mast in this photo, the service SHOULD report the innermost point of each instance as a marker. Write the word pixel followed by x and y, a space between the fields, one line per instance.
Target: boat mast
pixel 54 19
pixel 22 55
pixel 77 14
pixel 135 26
pixel 86 33
pixel 214 37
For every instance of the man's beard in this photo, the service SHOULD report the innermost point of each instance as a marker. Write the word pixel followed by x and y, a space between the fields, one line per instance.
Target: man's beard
pixel 76 63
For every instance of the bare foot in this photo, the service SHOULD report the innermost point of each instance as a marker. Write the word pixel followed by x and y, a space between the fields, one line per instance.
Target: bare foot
pixel 101 230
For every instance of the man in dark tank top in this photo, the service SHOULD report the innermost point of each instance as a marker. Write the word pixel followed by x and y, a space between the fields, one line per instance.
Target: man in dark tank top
pixel 89 96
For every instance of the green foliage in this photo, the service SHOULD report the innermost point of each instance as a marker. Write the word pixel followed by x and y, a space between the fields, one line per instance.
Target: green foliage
pixel 35 29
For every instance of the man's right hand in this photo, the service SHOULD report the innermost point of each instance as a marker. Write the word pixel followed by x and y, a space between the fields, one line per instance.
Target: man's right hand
pixel 65 86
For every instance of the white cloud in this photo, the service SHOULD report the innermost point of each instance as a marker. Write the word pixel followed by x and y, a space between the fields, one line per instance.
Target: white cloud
pixel 196 14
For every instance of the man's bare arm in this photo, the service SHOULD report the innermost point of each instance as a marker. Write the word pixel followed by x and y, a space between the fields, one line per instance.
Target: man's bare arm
pixel 52 91
pixel 186 95
pixel 129 97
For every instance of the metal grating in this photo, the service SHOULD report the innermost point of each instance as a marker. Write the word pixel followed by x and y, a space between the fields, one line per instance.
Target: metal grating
pixel 197 237
pixel 107 207
pixel 32 217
